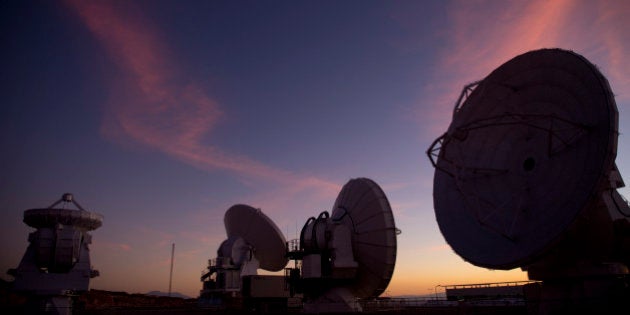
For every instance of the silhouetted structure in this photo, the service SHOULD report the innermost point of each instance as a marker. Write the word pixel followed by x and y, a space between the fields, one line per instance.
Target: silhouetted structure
pixel 526 177
pixel 56 266
pixel 348 254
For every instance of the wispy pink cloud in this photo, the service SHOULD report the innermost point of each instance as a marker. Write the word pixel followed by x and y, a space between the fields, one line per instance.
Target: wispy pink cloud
pixel 485 33
pixel 615 27
pixel 481 35
pixel 153 106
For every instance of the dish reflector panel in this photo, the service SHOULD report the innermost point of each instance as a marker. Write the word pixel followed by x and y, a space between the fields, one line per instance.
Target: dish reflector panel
pixel 373 237
pixel 260 232
pixel 49 217
pixel 525 153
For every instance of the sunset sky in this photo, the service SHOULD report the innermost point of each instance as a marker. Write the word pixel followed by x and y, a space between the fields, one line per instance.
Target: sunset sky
pixel 160 115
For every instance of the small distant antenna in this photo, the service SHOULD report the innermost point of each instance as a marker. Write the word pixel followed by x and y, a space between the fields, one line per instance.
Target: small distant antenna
pixel 170 280
pixel 56 266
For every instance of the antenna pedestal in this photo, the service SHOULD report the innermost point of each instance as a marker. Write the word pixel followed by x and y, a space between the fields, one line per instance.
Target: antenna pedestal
pixel 596 245
pixel 336 300
pixel 587 272
pixel 580 295
pixel 54 304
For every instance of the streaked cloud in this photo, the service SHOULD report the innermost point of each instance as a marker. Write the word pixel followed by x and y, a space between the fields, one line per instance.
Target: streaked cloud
pixel 482 35
pixel 615 30
pixel 151 104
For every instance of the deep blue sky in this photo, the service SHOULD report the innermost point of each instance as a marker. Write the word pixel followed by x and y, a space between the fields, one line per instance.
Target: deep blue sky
pixel 161 115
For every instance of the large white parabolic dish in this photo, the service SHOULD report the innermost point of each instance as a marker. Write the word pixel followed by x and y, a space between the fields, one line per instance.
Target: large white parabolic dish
pixel 260 232
pixel 373 237
pixel 525 153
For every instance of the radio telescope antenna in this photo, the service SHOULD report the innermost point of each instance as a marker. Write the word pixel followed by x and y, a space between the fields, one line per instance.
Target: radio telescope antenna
pixel 348 254
pixel 526 176
pixel 56 265
pixel 254 242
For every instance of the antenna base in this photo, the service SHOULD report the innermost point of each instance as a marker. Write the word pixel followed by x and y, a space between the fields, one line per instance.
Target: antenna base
pixel 581 295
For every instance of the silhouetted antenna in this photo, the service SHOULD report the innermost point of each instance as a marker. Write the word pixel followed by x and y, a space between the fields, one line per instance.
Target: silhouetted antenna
pixel 56 265
pixel 253 242
pixel 349 253
pixel 526 176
